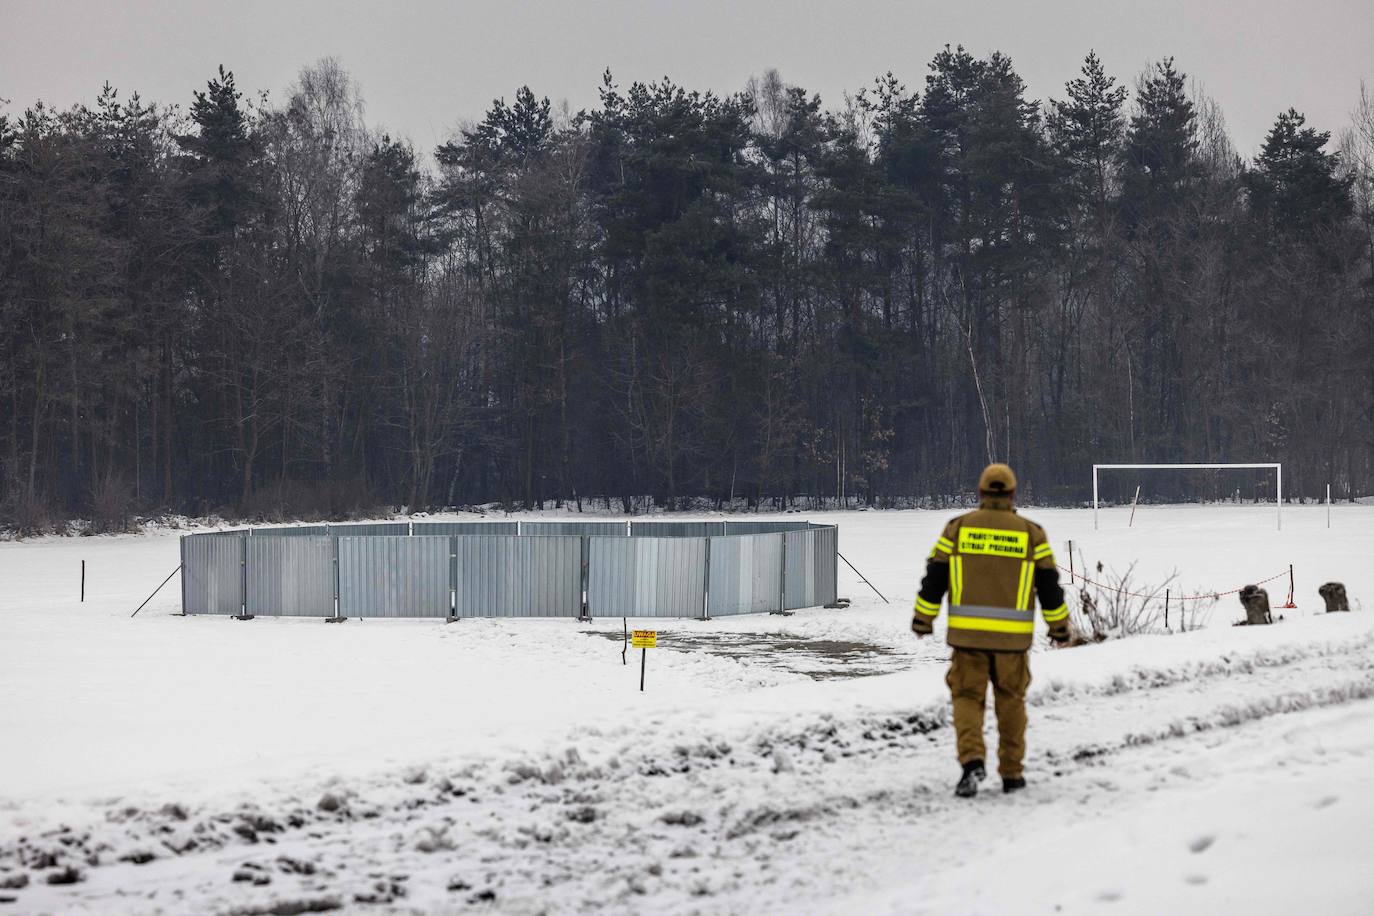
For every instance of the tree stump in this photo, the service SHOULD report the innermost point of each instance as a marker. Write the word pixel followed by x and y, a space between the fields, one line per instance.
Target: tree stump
pixel 1256 601
pixel 1333 593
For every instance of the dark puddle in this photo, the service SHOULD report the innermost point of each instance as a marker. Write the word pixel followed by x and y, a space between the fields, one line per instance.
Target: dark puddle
pixel 818 659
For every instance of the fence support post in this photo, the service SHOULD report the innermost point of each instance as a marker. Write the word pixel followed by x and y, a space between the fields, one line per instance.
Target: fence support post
pixel 334 560
pixel 782 578
pixel 706 586
pixel 585 560
pixel 182 546
pixel 452 578
pixel 243 581
pixel 835 567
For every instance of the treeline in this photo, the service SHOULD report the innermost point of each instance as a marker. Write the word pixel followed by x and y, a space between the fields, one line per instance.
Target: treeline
pixel 273 309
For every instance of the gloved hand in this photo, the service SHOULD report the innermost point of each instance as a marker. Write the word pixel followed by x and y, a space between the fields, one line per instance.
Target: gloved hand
pixel 921 627
pixel 1060 635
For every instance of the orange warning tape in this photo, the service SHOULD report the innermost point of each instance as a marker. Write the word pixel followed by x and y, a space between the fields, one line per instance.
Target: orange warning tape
pixel 1074 576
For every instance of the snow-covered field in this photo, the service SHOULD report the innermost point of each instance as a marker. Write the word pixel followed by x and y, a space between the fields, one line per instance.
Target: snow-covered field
pixel 774 764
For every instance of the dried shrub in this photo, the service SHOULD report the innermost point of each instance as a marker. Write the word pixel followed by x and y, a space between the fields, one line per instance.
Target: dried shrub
pixel 111 505
pixel 287 500
pixel 27 515
pixel 1117 605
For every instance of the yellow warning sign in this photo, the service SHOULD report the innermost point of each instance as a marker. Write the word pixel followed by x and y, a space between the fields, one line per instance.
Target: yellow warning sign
pixel 644 639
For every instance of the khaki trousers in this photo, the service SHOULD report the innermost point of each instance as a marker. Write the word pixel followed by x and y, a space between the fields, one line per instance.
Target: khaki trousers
pixel 970 671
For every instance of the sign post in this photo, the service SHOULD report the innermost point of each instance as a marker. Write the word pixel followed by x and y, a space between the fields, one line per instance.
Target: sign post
pixel 644 640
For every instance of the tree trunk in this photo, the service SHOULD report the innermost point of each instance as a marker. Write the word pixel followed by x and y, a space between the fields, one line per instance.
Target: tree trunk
pixel 1333 593
pixel 168 424
pixel 1256 602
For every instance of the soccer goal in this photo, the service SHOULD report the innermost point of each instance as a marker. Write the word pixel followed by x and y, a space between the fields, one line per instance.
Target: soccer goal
pixel 1278 479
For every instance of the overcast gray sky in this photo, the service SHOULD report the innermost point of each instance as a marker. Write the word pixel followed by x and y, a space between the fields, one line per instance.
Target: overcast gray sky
pixel 427 65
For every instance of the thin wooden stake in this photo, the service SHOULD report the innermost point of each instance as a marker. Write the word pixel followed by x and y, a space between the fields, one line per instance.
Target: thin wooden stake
pixel 1131 523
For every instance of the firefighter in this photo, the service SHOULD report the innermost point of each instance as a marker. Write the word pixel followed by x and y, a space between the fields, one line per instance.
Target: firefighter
pixel 994 564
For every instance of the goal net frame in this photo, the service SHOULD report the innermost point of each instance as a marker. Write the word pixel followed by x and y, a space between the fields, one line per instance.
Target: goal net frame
pixel 1278 493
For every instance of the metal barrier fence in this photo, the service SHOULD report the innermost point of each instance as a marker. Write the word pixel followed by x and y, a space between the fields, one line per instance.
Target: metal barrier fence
pixel 395 577
pixel 516 576
pixel 465 528
pixel 291 576
pixel 510 569
pixel 212 569
pixel 647 577
pixel 677 529
pixel 746 574
pixel 579 529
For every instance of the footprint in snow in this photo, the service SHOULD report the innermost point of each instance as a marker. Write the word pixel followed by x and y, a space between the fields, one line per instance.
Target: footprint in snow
pixel 1196 880
pixel 1109 896
pixel 1202 843
pixel 1326 802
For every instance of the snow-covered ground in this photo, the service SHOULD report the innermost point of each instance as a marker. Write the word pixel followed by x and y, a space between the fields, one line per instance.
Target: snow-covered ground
pixel 774 764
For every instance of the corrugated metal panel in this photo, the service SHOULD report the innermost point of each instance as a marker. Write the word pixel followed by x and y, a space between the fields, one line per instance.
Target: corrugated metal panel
pixel 677 529
pixel 482 528
pixel 387 529
pixel 292 576
pixel 746 574
pixel 827 546
pixel 800 567
pixel 764 527
pixel 811 558
pixel 394 577
pixel 293 530
pixel 213 573
pixel 579 529
pixel 508 576
pixel 646 577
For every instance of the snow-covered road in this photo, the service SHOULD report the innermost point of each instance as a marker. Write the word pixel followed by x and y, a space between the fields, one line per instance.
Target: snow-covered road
pixel 195 765
pixel 1157 790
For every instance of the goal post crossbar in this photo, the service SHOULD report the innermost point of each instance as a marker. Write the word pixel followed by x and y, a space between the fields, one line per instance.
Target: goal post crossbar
pixel 1278 501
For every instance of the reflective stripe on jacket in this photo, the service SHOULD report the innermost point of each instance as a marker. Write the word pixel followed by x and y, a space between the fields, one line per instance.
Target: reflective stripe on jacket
pixel 994 564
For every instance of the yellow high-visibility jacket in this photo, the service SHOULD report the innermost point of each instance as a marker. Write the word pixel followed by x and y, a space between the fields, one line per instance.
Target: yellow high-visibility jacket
pixel 994 564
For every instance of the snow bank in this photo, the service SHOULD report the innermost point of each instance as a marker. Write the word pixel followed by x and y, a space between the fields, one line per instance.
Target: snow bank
pixel 223 703
pixel 105 713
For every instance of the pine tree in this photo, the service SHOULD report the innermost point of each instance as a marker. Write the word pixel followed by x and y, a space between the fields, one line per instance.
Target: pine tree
pixel 1158 162
pixel 1295 186
pixel 218 156
pixel 1086 132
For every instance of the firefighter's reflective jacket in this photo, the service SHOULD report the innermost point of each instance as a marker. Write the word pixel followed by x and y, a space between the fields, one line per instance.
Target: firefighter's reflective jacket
pixel 994 564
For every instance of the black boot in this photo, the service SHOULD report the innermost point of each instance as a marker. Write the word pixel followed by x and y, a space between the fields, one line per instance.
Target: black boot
pixel 968 783
pixel 1013 783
